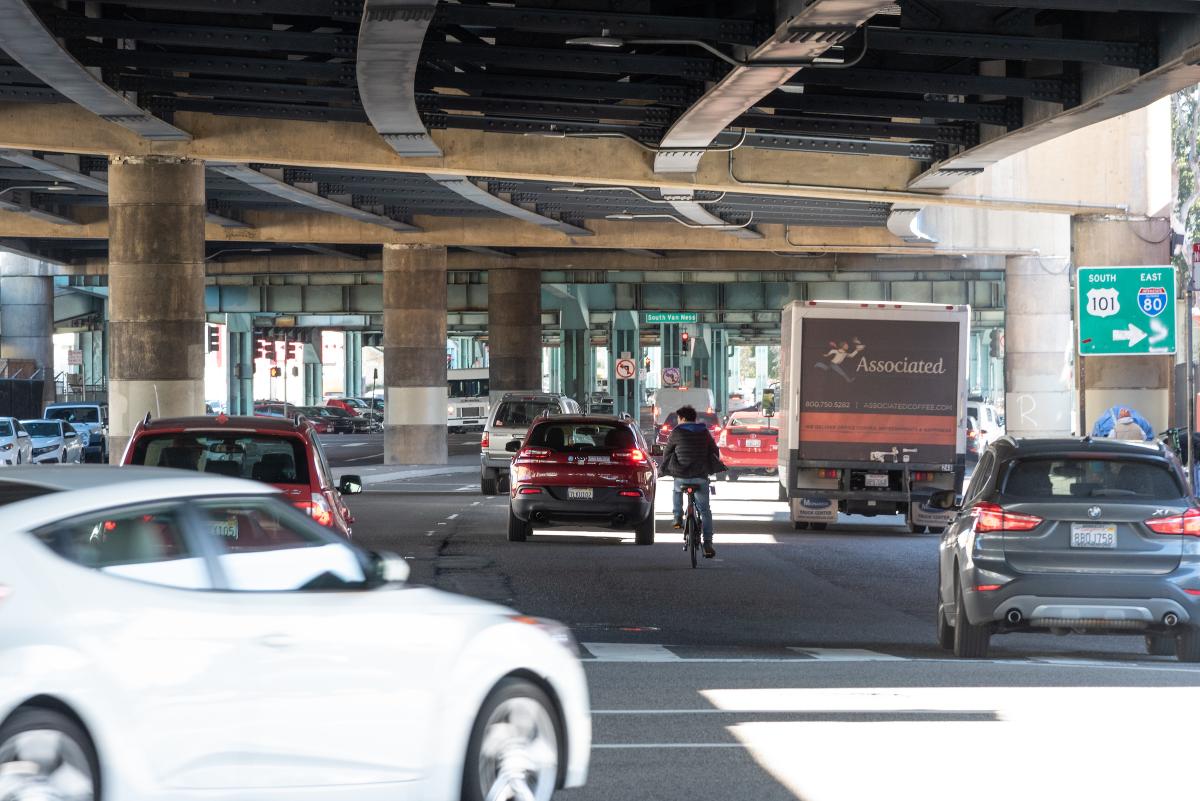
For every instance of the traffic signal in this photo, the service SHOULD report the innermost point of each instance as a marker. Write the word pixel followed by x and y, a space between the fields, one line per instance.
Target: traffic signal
pixel 685 343
pixel 214 339
pixel 266 349
pixel 297 351
pixel 276 372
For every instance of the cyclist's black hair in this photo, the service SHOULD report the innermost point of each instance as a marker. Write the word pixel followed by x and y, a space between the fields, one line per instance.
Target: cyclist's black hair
pixel 686 413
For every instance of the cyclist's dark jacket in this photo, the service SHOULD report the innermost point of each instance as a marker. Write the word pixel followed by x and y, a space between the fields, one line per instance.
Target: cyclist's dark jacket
pixel 691 453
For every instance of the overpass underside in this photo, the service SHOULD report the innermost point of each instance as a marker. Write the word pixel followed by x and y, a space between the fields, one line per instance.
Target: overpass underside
pixel 306 159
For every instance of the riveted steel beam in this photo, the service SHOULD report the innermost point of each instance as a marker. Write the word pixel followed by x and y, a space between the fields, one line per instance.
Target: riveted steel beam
pixel 1059 89
pixel 482 197
pixel 571 61
pixel 558 87
pixel 28 42
pixel 1135 55
pixel 336 10
pixel 276 69
pixel 1006 114
pixel 548 20
pixel 273 186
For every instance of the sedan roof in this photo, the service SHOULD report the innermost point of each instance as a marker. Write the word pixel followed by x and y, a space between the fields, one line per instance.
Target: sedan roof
pixel 1010 447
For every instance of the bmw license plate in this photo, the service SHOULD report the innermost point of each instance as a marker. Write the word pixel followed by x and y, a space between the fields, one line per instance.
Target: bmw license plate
pixel 754 443
pixel 580 493
pixel 225 528
pixel 1093 535
pixel 877 480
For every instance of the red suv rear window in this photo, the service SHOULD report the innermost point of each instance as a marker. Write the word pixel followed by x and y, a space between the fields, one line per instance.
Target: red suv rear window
pixel 265 457
pixel 567 437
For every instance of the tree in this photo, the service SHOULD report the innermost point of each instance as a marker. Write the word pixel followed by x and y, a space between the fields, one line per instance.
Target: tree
pixel 1185 113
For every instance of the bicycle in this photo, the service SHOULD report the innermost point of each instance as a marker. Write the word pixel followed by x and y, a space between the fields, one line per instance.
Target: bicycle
pixel 692 527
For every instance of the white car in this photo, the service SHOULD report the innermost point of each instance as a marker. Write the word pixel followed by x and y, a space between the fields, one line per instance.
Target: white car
pixel 177 636
pixel 16 447
pixel 54 442
pixel 988 418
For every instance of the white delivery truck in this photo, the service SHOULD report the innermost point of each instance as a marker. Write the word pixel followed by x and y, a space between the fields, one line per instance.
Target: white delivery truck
pixel 871 410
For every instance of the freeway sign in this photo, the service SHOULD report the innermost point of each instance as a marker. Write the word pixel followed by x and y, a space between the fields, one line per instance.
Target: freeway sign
pixel 670 318
pixel 1126 311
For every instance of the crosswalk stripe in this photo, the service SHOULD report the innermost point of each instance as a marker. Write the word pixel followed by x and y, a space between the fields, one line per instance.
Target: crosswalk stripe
pixel 626 652
pixel 847 655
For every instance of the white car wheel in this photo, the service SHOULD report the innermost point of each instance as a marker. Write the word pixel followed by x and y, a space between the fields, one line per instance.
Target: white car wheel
pixel 515 747
pixel 45 755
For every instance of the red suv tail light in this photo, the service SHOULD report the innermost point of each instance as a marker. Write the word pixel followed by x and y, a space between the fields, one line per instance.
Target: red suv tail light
pixel 317 509
pixel 635 456
pixel 531 455
pixel 1186 524
pixel 485 440
pixel 991 517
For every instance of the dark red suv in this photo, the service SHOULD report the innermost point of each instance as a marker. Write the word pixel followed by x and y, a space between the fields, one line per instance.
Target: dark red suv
pixel 275 450
pixel 582 469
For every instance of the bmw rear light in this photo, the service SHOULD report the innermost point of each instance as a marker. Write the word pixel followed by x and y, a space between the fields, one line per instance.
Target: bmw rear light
pixel 991 517
pixel 1186 524
pixel 317 509
pixel 485 440
pixel 635 456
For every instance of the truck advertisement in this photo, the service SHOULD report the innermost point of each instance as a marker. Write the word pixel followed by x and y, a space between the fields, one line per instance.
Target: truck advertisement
pixel 880 391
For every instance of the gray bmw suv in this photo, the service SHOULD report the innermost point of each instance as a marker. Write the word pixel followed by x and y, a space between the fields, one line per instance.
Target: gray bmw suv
pixel 1086 536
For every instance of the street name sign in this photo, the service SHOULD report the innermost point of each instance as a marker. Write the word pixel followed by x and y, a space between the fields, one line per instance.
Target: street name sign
pixel 1126 311
pixel 670 318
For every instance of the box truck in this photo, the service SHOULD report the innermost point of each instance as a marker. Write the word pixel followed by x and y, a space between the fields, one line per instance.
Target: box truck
pixel 871 410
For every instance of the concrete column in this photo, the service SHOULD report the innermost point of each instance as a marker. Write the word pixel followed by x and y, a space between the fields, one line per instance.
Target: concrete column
pixel 27 325
pixel 353 364
pixel 625 339
pixel 414 354
pixel 515 330
pixel 577 370
pixel 156 291
pixel 1141 382
pixel 1040 347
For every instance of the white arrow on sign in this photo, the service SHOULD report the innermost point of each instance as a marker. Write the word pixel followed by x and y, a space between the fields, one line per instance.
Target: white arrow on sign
pixel 1132 335
pixel 1160 331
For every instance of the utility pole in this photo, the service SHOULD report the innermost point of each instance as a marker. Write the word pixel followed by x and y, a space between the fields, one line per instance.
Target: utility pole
pixel 1191 368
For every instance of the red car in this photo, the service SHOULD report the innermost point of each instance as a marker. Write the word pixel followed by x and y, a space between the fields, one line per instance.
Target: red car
pixel 582 469
pixel 664 431
pixel 275 450
pixel 354 406
pixel 749 444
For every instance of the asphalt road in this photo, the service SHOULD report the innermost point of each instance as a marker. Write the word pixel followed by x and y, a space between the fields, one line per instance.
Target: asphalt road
pixel 798 665
pixel 366 450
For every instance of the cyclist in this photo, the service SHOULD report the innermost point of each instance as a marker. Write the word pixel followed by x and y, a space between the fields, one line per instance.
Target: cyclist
pixel 691 457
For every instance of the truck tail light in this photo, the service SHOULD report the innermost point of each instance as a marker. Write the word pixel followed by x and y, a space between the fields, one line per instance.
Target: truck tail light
pixel 1186 524
pixel 922 476
pixel 317 509
pixel 485 441
pixel 990 517
pixel 829 473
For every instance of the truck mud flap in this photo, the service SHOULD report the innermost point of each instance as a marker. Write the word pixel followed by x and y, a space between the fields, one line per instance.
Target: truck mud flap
pixel 924 515
pixel 814 510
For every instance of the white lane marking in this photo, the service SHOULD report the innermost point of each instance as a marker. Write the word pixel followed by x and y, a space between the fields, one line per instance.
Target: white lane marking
pixel 613 746
pixel 369 456
pixel 467 488
pixel 847 655
pixel 428 533
pixel 451 517
pixel 476 503
pixel 625 652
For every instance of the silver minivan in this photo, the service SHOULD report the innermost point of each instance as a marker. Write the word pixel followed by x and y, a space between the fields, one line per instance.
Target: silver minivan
pixel 510 420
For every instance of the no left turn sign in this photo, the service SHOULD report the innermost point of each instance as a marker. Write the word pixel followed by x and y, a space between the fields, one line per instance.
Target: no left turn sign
pixel 626 369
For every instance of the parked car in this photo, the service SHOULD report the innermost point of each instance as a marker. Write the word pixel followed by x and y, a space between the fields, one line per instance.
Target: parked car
pixel 600 403
pixel 89 417
pixel 54 442
pixel 16 446
pixel 582 469
pixel 1067 535
pixel 284 453
pixel 169 636
pixel 749 444
pixel 352 405
pixel 335 423
pixel 972 440
pixel 275 409
pixel 510 419
pixel 709 419
pixel 358 423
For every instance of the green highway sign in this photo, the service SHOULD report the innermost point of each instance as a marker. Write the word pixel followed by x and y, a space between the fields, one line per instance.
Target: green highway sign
pixel 670 318
pixel 1126 311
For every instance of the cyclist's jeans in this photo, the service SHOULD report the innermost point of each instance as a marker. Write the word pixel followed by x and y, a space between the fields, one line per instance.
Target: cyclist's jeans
pixel 702 506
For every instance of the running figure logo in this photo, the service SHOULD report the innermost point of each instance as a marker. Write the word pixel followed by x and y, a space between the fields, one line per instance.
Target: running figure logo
pixel 842 354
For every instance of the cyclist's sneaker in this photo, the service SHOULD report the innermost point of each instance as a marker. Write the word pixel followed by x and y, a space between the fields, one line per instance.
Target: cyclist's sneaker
pixel 677 522
pixel 709 552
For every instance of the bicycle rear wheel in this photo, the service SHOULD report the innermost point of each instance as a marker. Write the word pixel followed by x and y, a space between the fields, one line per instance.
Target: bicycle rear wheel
pixel 693 537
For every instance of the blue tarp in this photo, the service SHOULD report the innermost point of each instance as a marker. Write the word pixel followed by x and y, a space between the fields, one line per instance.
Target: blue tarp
pixel 1104 425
